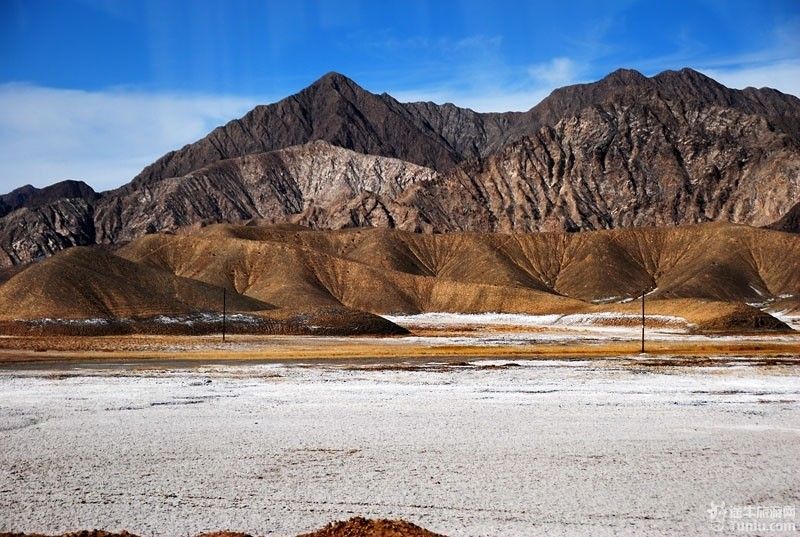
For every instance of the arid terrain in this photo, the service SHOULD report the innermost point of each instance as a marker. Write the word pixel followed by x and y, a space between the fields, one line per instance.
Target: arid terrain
pixel 463 446
pixel 344 307
pixel 717 278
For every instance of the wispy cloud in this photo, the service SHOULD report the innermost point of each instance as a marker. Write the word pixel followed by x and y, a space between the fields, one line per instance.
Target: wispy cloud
pixel 102 137
pixel 775 65
pixel 500 88
pixel 510 90
pixel 556 72
pixel 470 71
pixel 781 75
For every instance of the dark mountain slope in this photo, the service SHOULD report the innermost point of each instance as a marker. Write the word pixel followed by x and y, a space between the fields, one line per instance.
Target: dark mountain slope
pixel 681 91
pixel 337 110
pixel 31 197
pixel 334 109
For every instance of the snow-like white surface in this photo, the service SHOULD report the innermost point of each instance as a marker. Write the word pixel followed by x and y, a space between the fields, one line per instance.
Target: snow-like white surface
pixel 512 448
pixel 584 327
pixel 792 320
pixel 161 319
pixel 513 319
pixel 206 318
pixel 71 322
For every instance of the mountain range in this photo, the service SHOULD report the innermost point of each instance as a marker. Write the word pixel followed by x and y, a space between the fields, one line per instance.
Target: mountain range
pixel 626 151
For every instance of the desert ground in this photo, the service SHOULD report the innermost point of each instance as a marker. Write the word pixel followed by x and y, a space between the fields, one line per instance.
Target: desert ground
pixel 470 425
pixel 433 335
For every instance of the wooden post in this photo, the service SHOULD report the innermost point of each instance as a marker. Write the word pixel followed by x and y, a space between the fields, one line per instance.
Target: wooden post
pixel 643 321
pixel 224 308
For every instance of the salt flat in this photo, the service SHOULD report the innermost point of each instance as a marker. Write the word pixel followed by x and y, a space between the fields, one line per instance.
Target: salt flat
pixel 481 448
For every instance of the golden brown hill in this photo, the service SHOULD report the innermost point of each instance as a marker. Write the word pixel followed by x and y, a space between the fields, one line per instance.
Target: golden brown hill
pixel 390 271
pixel 85 282
pixel 329 280
pixel 313 269
pixel 93 292
pixel 712 261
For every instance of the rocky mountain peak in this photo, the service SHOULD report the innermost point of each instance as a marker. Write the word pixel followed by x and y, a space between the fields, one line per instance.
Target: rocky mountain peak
pixel 333 78
pixel 333 84
pixel 623 77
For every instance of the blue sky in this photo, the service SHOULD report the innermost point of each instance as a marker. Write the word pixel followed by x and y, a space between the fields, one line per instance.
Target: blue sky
pixel 96 89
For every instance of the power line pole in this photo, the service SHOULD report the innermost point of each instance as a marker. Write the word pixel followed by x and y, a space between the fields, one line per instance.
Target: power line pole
pixel 224 311
pixel 643 321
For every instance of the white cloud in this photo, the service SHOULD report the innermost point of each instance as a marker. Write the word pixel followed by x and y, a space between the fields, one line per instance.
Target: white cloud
pixel 556 72
pixel 501 89
pixel 781 75
pixel 102 137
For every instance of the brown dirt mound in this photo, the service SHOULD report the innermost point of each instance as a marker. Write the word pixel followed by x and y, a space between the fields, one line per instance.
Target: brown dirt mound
pixel 224 534
pixel 362 527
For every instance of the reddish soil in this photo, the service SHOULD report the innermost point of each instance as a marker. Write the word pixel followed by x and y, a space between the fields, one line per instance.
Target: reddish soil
pixel 362 527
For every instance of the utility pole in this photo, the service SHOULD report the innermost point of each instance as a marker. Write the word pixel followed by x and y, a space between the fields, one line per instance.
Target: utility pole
pixel 224 308
pixel 643 321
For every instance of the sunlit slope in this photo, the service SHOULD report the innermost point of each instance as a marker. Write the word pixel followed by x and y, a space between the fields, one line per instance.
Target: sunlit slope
pixel 713 261
pixel 89 283
pixel 704 273
pixel 293 268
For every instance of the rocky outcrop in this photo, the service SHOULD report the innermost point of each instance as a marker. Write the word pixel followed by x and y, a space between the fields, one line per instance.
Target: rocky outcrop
pixel 334 109
pixel 28 234
pixel 36 223
pixel 316 184
pixel 337 110
pixel 680 91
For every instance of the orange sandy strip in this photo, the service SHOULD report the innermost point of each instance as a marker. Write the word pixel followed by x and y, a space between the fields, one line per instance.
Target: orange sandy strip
pixel 287 348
